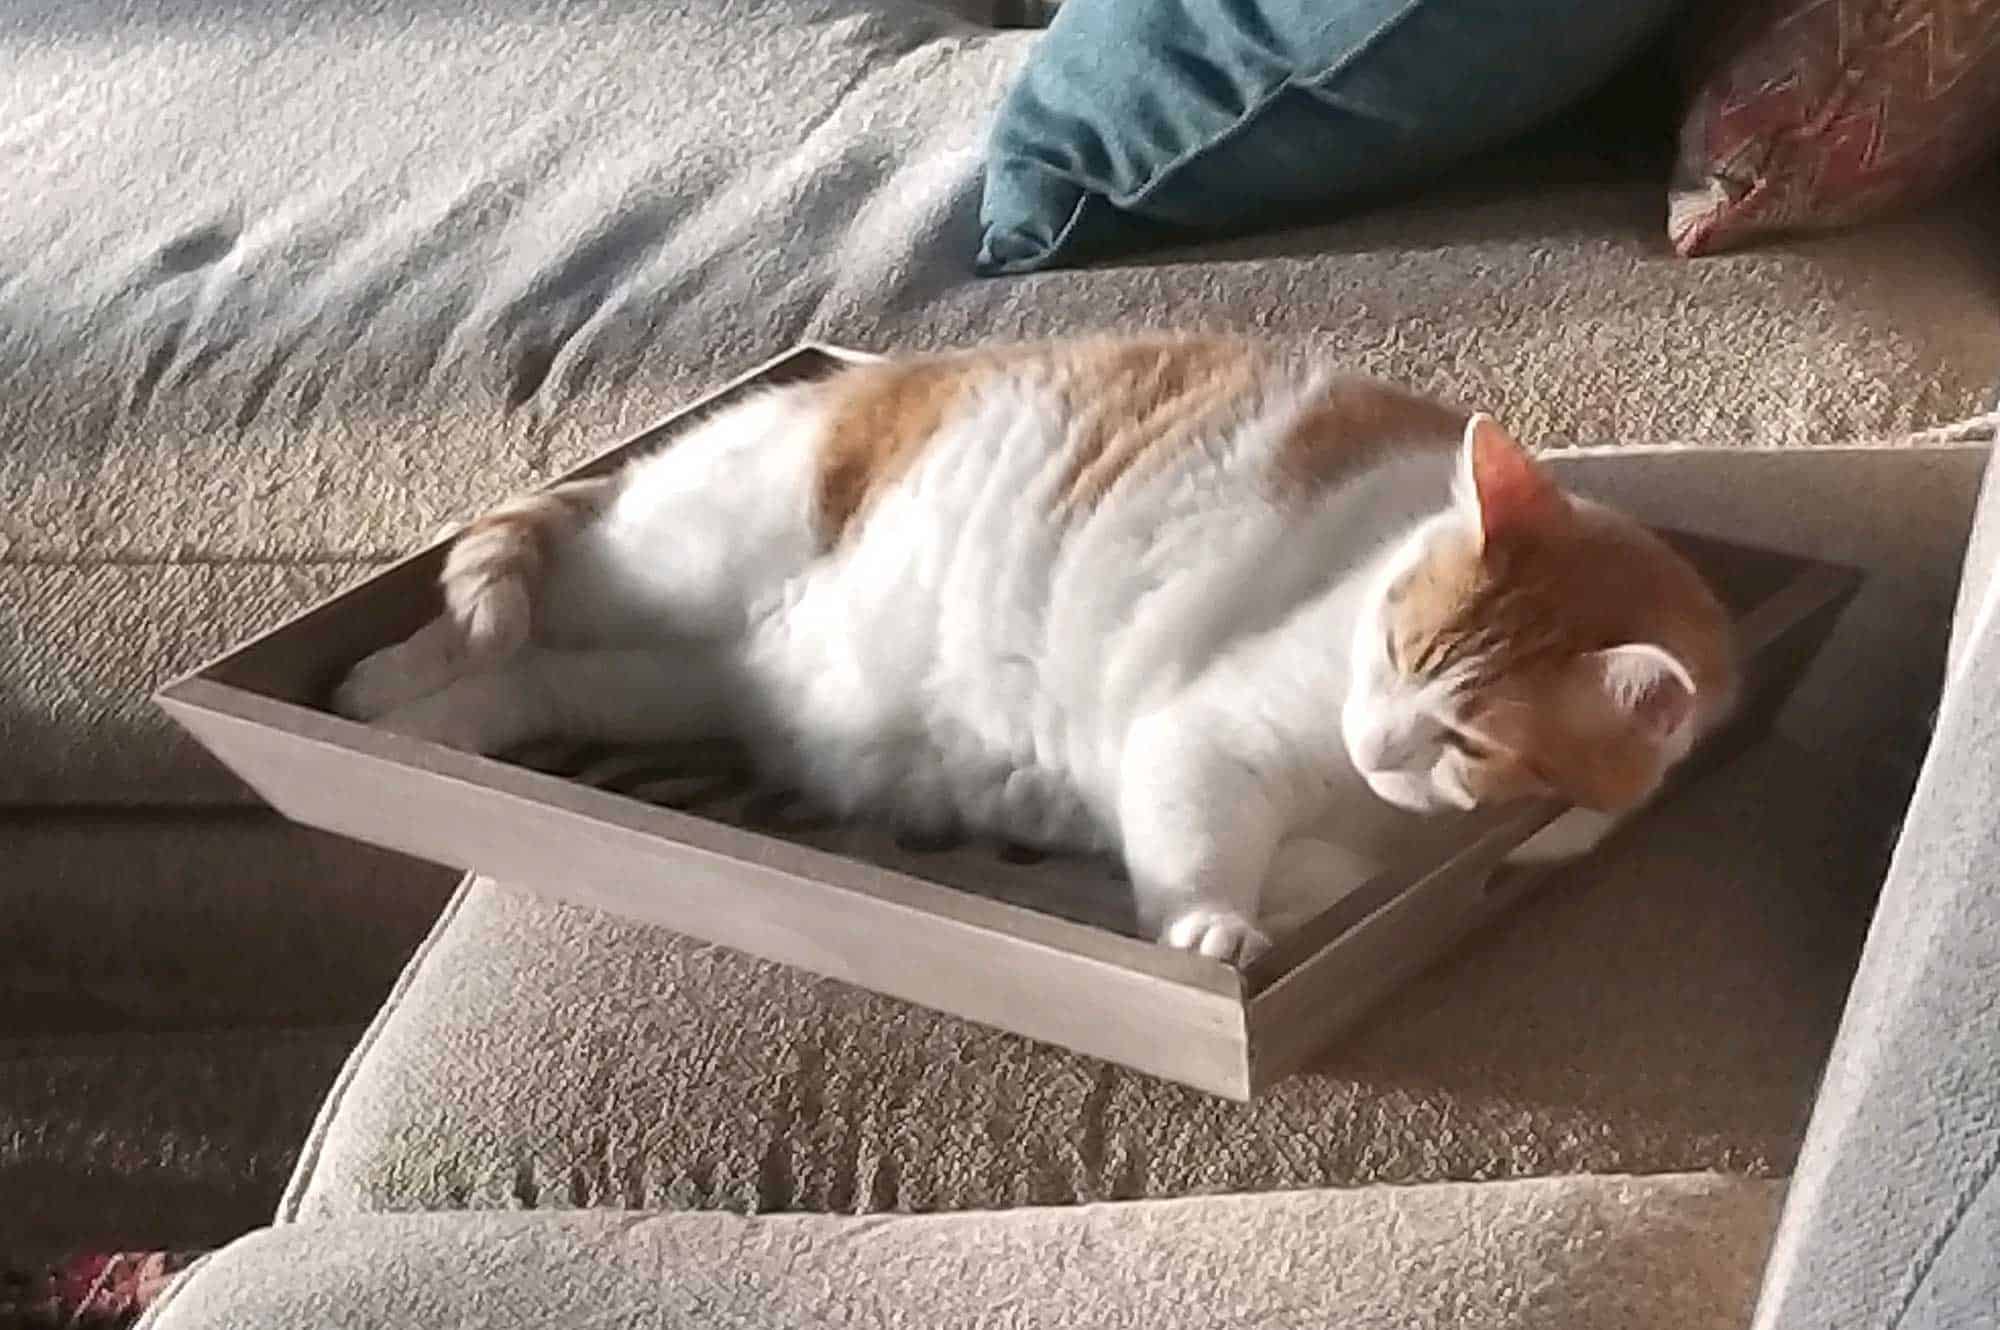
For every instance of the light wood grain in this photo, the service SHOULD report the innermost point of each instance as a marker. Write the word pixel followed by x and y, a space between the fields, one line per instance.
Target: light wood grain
pixel 1314 1001
pixel 1096 991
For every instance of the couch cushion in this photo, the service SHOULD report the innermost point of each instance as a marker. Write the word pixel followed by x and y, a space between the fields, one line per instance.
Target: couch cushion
pixel 126 1141
pixel 312 276
pixel 1664 1009
pixel 132 920
pixel 84 641
pixel 1666 1253
pixel 1894 1217
pixel 1236 113
pixel 1809 115
pixel 1978 591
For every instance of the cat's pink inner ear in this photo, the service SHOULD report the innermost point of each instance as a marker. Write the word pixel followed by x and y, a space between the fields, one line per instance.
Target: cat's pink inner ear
pixel 1648 684
pixel 1510 492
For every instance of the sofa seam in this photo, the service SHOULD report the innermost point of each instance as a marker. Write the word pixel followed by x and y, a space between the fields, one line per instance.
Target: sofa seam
pixel 292 1202
pixel 1927 1258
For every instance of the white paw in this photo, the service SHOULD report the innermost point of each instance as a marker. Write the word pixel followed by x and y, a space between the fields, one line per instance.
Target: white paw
pixel 469 716
pixel 1213 931
pixel 375 686
pixel 400 674
pixel 433 724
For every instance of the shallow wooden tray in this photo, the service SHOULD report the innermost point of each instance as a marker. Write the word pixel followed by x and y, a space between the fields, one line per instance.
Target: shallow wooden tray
pixel 1039 946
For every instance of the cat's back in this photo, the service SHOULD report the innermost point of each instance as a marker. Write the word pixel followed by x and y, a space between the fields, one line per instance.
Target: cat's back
pixel 1076 427
pixel 1035 504
pixel 1017 543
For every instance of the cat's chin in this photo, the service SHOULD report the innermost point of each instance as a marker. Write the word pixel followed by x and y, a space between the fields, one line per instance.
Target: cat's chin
pixel 1411 793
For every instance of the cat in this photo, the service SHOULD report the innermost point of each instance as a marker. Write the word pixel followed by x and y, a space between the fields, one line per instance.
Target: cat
pixel 1180 598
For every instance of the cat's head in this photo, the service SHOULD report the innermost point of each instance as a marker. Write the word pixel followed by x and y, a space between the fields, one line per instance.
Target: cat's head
pixel 1529 643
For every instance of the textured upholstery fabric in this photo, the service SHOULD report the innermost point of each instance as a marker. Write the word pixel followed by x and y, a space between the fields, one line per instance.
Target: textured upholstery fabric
pixel 82 645
pixel 1229 114
pixel 1978 604
pixel 1665 1010
pixel 1895 1213
pixel 312 276
pixel 168 1139
pixel 128 921
pixel 1817 113
pixel 1663 1253
pixel 177 992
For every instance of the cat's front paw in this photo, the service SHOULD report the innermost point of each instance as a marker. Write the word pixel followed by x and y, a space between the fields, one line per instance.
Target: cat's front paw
pixel 443 718
pixel 482 713
pixel 398 675
pixel 373 688
pixel 1211 930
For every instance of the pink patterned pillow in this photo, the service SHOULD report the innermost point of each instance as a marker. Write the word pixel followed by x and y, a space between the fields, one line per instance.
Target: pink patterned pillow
pixel 1817 113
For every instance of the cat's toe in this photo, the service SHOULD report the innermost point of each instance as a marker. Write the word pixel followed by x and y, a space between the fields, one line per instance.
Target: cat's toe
pixel 399 674
pixel 435 720
pixel 371 689
pixel 1219 933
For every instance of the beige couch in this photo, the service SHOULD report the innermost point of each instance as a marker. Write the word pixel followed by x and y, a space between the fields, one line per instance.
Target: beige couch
pixel 310 279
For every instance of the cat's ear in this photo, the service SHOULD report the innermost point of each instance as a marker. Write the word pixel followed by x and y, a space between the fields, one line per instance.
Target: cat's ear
pixel 1648 685
pixel 1503 490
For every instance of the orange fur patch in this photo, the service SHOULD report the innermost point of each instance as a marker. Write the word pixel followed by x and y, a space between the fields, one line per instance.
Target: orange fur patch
pixel 518 537
pixel 495 565
pixel 1138 403
pixel 1132 403
pixel 1352 424
pixel 1521 617
pixel 878 420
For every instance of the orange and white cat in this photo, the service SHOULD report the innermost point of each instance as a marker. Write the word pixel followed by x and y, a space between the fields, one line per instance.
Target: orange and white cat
pixel 1180 598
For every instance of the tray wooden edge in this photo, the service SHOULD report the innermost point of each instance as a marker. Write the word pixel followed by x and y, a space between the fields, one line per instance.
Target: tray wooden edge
pixel 1000 964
